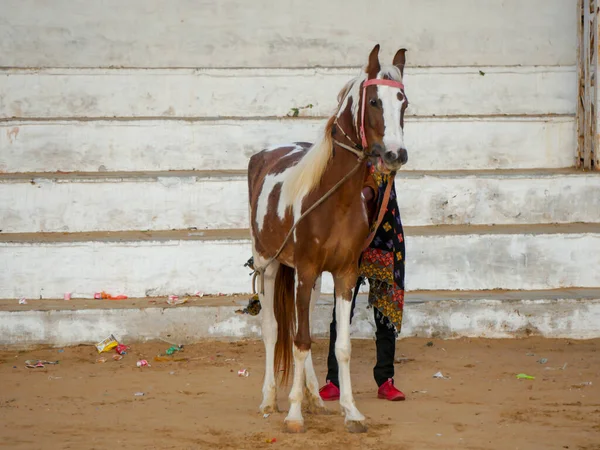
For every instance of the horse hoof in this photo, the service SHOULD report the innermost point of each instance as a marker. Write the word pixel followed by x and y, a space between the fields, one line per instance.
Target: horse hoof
pixel 356 426
pixel 294 426
pixel 268 409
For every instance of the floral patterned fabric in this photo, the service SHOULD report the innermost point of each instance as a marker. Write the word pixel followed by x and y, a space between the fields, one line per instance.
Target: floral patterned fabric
pixel 382 263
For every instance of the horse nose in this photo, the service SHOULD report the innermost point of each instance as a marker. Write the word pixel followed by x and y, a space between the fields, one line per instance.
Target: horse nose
pixel 377 149
pixel 403 156
pixel 399 156
pixel 390 156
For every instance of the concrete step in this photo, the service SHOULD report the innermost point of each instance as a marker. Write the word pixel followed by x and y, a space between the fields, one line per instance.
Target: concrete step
pixel 209 93
pixel 215 200
pixel 572 313
pixel 140 264
pixel 444 143
pixel 514 33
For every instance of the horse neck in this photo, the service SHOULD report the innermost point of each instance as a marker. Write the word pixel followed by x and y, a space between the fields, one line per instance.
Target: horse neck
pixel 344 161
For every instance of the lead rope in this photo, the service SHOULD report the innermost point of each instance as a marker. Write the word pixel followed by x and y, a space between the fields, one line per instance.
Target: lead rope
pixel 382 210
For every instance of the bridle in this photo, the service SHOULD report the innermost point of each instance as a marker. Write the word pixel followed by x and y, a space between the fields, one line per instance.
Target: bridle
pixel 361 150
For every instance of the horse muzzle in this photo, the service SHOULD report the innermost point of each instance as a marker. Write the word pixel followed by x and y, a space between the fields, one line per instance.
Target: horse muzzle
pixel 390 160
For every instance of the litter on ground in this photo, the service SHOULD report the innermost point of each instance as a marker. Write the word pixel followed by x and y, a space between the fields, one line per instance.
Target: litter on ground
pixel 440 375
pixel 38 363
pixel 524 376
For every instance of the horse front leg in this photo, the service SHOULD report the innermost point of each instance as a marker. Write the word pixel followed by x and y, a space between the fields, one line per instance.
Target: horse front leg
pixel 344 284
pixel 302 343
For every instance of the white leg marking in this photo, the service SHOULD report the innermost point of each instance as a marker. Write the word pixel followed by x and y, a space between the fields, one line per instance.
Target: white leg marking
pixel 312 383
pixel 269 335
pixel 297 392
pixel 343 351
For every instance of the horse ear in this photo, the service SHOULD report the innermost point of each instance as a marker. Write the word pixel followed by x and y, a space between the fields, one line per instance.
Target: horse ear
pixel 373 67
pixel 400 60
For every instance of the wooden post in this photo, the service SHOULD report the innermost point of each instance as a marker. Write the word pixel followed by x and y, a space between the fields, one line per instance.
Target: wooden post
pixel 580 86
pixel 594 45
pixel 588 140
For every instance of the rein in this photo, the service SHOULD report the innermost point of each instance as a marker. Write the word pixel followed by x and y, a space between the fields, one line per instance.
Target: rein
pixel 361 153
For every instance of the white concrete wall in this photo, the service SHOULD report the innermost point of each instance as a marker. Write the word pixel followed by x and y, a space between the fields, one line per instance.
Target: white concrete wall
pixel 151 85
pixel 178 202
pixel 263 33
pixel 561 318
pixel 443 261
pixel 153 145
pixel 182 71
pixel 99 93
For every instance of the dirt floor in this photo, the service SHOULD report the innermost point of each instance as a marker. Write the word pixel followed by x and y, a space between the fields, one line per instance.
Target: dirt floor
pixel 203 403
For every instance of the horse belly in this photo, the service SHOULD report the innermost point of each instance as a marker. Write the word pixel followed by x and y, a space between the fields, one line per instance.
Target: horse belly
pixel 345 242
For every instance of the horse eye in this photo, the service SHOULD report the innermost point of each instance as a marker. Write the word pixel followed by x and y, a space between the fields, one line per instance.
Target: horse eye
pixel 373 102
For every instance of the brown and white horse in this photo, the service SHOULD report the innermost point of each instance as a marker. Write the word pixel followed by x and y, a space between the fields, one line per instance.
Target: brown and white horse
pixel 283 183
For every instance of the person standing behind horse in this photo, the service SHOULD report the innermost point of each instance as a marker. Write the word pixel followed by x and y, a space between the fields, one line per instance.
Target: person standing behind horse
pixel 382 264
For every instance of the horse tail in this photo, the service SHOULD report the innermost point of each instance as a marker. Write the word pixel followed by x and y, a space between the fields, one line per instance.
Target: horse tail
pixel 285 313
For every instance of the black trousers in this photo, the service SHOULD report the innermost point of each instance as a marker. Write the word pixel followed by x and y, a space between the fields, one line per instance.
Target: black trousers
pixel 385 342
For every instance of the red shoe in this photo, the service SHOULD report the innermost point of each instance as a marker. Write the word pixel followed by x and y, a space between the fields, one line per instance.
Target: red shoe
pixel 389 392
pixel 329 392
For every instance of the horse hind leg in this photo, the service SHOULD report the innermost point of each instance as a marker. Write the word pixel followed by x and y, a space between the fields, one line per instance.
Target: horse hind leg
pixel 269 336
pixel 314 402
pixel 294 421
pixel 301 350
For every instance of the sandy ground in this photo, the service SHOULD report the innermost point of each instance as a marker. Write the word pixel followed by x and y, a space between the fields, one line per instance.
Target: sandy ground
pixel 203 403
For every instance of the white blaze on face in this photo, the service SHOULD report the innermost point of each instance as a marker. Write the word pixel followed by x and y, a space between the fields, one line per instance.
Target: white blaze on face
pixel 393 134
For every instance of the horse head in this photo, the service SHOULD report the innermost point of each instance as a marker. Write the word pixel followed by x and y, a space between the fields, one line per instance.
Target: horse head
pixel 377 102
